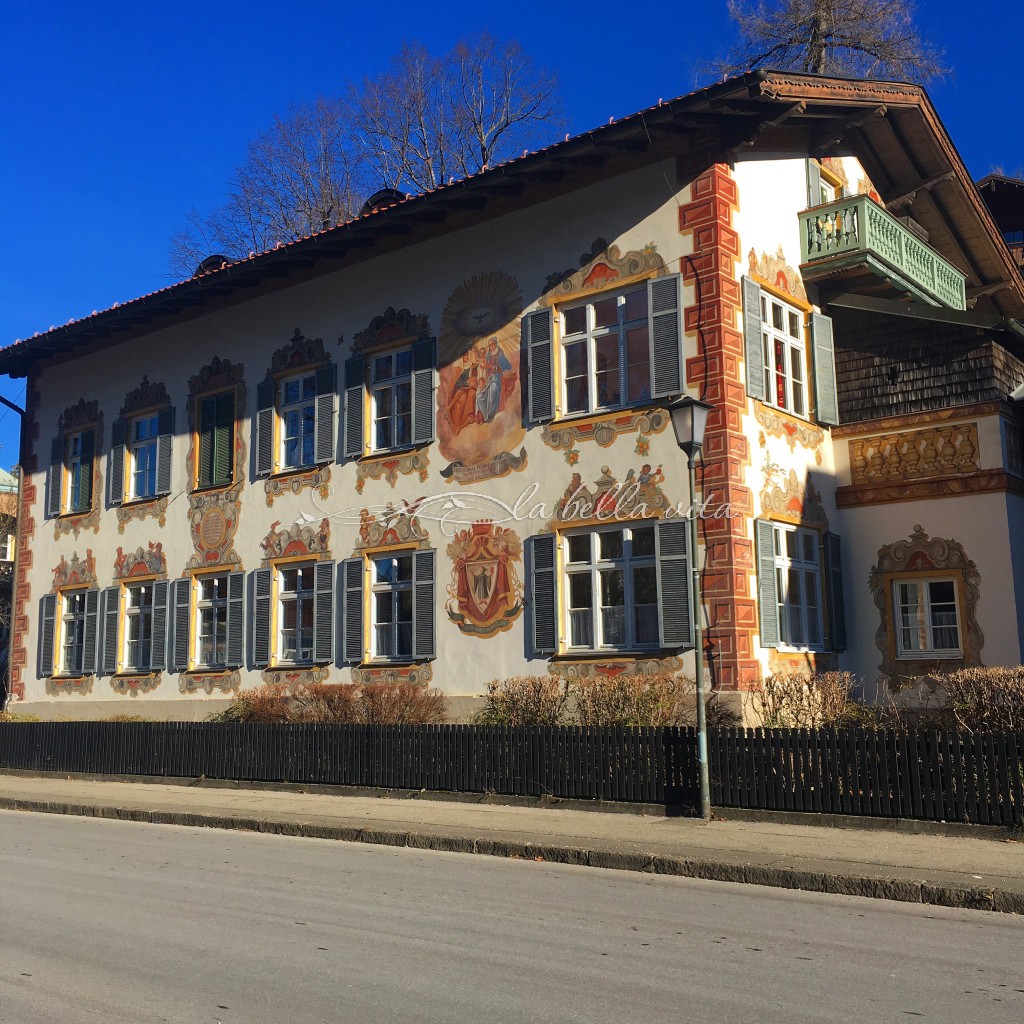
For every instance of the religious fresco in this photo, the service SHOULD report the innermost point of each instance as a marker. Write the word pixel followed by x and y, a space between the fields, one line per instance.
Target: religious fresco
pixel 486 592
pixel 637 496
pixel 213 512
pixel 148 561
pixel 79 572
pixel 479 392
pixel 77 417
pixel 209 682
pixel 299 539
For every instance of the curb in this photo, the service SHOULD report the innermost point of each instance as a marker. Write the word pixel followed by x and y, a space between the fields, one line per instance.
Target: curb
pixel 898 890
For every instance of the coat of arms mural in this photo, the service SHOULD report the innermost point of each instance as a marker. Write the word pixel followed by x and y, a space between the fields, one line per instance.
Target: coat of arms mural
pixel 485 594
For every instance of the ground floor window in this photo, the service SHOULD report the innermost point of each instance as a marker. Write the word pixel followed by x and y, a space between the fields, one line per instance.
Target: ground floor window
pixel 138 610
pixel 392 607
pixel 72 659
pixel 212 621
pixel 798 586
pixel 927 618
pixel 295 588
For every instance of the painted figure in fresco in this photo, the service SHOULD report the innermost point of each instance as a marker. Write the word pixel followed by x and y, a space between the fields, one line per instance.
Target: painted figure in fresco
pixel 491 397
pixel 482 585
pixel 462 406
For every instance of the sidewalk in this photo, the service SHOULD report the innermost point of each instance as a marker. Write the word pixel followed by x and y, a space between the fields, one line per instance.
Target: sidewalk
pixel 979 873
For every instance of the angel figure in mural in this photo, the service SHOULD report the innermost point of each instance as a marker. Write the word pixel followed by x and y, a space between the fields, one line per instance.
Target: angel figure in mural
pixel 498 382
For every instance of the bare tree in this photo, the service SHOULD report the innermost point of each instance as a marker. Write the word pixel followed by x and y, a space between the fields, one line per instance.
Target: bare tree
pixel 426 120
pixel 861 38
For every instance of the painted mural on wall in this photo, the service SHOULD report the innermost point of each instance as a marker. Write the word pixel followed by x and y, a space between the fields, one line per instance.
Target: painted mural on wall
pixel 209 682
pixel 602 266
pixel 792 430
pixel 397 524
pixel 479 393
pixel 637 496
pixel 78 572
pixel 786 496
pixel 143 561
pixel 390 469
pixel 213 513
pixel 148 395
pixel 775 271
pixel 392 327
pixel 617 667
pixel 485 593
pixel 297 540
pixel 415 675
pixel 76 417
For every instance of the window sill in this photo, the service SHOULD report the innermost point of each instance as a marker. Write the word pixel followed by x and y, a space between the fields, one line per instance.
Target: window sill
pixel 786 649
pixel 71 675
pixel 285 474
pixel 141 502
pixel 213 488
pixel 795 417
pixel 76 515
pixel 599 415
pixel 916 657
pixel 611 653
pixel 392 453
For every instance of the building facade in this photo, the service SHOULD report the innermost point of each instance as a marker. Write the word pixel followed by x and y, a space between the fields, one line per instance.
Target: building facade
pixel 432 444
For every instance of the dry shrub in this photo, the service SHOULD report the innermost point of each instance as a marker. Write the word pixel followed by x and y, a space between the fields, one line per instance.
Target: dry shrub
pixel 985 699
pixel 325 702
pixel 124 717
pixel 797 700
pixel 524 700
pixel 401 704
pixel 14 716
pixel 264 704
pixel 634 700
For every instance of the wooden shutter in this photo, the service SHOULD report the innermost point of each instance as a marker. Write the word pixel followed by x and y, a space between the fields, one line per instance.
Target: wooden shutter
pixel 826 400
pixel 675 599
pixel 264 427
pixel 324 433
pixel 353 575
pixel 813 183
pixel 223 467
pixel 83 499
pixel 235 654
pixel 164 446
pixel 110 601
pixel 323 612
pixel 115 485
pixel 537 336
pixel 424 644
pixel 91 631
pixel 753 343
pixel 181 615
pixel 207 439
pixel 666 338
pixel 834 584
pixel 767 592
pixel 158 645
pixel 543 593
pixel 424 355
pixel 355 403
pixel 55 477
pixel 47 629
pixel 262 580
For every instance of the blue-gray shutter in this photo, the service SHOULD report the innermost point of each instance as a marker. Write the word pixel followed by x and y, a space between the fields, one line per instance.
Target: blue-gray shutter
pixel 323 612
pixel 91 632
pixel 666 338
pixel 826 400
pixel 675 599
pixel 324 433
pixel 753 343
pixel 543 593
pixel 110 601
pixel 834 583
pixel 181 614
pixel 158 645
pixel 47 628
pixel 55 478
pixel 767 592
pixel 84 498
pixel 813 183
pixel 424 355
pixel 352 575
pixel 423 642
pixel 115 485
pixel 164 446
pixel 355 403
pixel 537 334
pixel 235 655
pixel 262 580
pixel 263 427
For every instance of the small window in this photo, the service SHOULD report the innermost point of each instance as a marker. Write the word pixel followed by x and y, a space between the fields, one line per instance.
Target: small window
pixel 79 448
pixel 212 621
pixel 7 543
pixel 143 455
pixel 798 586
pixel 138 641
pixel 782 339
pixel 72 653
pixel 297 413
pixel 392 607
pixel 295 585
pixel 216 440
pixel 391 398
pixel 927 618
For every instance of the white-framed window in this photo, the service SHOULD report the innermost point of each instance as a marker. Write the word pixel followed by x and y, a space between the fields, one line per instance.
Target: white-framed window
pixel 142 443
pixel 391 399
pixel 785 355
pixel 138 634
pixel 7 544
pixel 295 600
pixel 798 586
pixel 72 632
pixel 392 606
pixel 611 588
pixel 297 414
pixel 211 628
pixel 79 447
pixel 927 618
pixel 606 352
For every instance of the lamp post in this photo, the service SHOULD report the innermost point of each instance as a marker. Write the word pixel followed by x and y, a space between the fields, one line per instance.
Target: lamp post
pixel 689 420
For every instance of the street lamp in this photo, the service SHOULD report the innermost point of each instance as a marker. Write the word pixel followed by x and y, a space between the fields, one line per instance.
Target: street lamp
pixel 689 420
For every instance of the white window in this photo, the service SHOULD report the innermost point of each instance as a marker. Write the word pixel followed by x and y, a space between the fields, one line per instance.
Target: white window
pixel 927 618
pixel 606 352
pixel 611 584
pixel 297 412
pixel 72 655
pixel 391 398
pixel 782 337
pixel 138 641
pixel 392 607
pixel 798 586
pixel 295 613
pixel 142 455
pixel 212 621
pixel 7 547
pixel 78 455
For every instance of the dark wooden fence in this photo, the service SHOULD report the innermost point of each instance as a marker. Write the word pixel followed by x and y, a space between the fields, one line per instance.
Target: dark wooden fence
pixel 937 776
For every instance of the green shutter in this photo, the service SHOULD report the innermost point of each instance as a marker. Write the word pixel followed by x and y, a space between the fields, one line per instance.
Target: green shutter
pixel 264 427
pixel 753 344
pixel 813 183
pixel 666 339
pixel 675 599
pixel 47 629
pixel 164 446
pixel 767 593
pixel 222 471
pixel 55 477
pixel 834 584
pixel 324 436
pixel 825 396
pixel 83 499
pixel 158 644
pixel 91 632
pixel 110 601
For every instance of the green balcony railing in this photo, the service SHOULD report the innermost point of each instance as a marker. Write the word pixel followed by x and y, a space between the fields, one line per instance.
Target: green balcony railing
pixel 858 227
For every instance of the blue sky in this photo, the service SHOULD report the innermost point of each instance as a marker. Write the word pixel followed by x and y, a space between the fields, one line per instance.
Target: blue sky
pixel 120 117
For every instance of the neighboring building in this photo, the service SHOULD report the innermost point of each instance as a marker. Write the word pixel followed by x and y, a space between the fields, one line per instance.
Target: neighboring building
pixel 8 543
pixel 431 444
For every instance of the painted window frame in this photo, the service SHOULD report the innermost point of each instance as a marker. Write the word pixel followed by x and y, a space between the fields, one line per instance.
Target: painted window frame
pixel 394 591
pixel 784 564
pixel 795 349
pixel 281 409
pixel 391 383
pixel 198 483
pixel 125 664
pixel 279 596
pixel 925 581
pixel 593 568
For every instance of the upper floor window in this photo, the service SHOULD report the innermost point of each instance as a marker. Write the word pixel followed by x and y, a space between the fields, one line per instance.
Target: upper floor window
pixel 144 433
pixel 785 357
pixel 391 398
pixel 927 618
pixel 79 449
pixel 294 425
pixel 297 414
pixel 140 456
pixel 7 544
pixel 216 430
pixel 798 586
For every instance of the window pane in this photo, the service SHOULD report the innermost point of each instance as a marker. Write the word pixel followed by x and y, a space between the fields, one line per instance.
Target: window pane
pixel 610 543
pixel 636 304
pixel 576 320
pixel 382 401
pixel 579 547
pixel 606 312
pixel 792 540
pixel 645 585
pixel 385 607
pixel 403 397
pixel 942 592
pixel 291 391
pixel 403 568
pixel 613 607
pixel 403 362
pixel 643 541
pixel 309 387
pixel 777 317
pixel 608 390
pixel 797 636
pixel 638 357
pixel 810 547
pixel 580 590
pixel 576 399
pixel 794 325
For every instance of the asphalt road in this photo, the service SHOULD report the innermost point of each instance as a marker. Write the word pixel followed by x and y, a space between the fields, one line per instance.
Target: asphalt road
pixel 120 922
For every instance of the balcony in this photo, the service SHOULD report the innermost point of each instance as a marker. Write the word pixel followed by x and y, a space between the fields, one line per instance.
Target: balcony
pixel 855 234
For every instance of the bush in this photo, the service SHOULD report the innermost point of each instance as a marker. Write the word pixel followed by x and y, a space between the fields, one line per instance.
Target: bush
pixel 325 702
pixel 14 716
pixel 264 704
pixel 634 700
pixel 401 704
pixel 985 699
pixel 798 700
pixel 524 700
